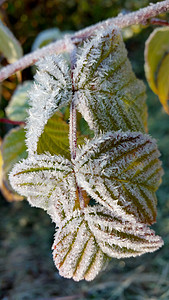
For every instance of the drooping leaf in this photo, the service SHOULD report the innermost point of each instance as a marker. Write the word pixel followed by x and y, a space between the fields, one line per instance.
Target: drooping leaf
pixel 13 150
pixel 52 90
pixel 156 48
pixel 17 109
pixel 84 244
pixel 119 237
pixel 9 45
pixel 108 94
pixel 122 170
pixel 163 82
pixel 47 181
pixel 75 251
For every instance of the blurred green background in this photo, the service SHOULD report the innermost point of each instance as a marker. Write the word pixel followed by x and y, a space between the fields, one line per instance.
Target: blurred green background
pixel 26 234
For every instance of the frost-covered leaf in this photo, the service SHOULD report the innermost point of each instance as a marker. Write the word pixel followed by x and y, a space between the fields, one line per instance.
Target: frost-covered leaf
pixel 13 150
pixel 47 181
pixel 118 237
pixel 17 109
pixel 75 251
pixel 51 91
pixel 121 170
pixel 84 244
pixel 156 63
pixel 108 94
pixel 9 45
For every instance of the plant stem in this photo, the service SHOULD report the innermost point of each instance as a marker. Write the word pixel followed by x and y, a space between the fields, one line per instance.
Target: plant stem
pixel 73 126
pixel 159 22
pixel 72 130
pixel 6 121
pixel 73 146
pixel 138 17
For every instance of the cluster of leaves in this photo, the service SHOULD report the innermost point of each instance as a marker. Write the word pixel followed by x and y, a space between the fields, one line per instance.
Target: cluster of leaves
pixel 118 168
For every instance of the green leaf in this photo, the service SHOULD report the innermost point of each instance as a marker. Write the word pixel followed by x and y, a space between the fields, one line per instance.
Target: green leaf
pixel 9 45
pixel 9 195
pixel 163 82
pixel 55 137
pixel 13 150
pixel 122 171
pixel 157 46
pixel 17 109
pixel 109 96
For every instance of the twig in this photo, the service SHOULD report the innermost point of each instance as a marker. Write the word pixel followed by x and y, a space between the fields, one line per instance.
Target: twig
pixel 6 121
pixel 121 21
pixel 159 22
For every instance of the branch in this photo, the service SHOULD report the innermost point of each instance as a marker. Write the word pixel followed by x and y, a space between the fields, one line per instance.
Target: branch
pixel 121 21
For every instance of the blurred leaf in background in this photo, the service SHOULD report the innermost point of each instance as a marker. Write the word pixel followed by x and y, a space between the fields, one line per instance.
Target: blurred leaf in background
pixel 157 64
pixel 18 105
pixel 13 149
pixel 9 45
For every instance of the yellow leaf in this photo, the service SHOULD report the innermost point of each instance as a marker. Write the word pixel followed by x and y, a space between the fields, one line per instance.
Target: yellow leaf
pixel 163 82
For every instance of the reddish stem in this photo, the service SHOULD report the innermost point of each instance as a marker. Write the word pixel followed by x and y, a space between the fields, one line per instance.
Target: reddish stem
pixel 6 121
pixel 155 21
